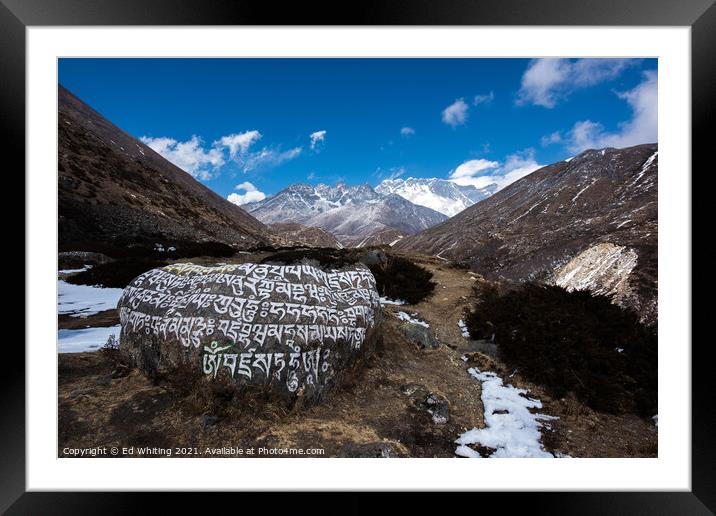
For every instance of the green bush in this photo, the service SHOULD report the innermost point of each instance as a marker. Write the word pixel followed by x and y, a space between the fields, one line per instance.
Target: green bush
pixel 570 342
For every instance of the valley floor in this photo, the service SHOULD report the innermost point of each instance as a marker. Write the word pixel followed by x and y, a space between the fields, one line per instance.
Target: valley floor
pixel 388 408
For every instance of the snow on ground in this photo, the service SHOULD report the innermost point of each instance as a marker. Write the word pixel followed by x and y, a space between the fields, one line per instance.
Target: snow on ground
pixel 385 301
pixel 463 329
pixel 74 271
pixel 510 428
pixel 656 420
pixel 86 339
pixel 85 300
pixel 407 318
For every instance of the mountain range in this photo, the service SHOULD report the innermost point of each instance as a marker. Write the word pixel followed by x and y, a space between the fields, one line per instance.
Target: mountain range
pixel 351 213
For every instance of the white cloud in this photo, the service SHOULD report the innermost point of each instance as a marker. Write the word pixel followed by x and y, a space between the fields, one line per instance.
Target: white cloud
pixel 268 157
pixel 641 128
pixel 251 194
pixel 472 167
pixel 456 113
pixel 517 166
pixel 238 144
pixel 481 172
pixel 547 81
pixel 396 172
pixel 484 99
pixel 204 163
pixel 317 138
pixel 190 156
pixel 407 131
pixel 549 139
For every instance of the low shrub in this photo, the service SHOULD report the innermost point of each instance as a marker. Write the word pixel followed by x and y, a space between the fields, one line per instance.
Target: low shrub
pixel 121 362
pixel 571 342
pixel 324 256
pixel 117 274
pixel 399 278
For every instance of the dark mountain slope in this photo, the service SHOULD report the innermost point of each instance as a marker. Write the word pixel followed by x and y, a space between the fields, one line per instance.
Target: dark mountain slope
pixel 115 193
pixel 590 222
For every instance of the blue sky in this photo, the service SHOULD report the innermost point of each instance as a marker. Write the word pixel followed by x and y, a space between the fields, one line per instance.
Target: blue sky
pixel 262 124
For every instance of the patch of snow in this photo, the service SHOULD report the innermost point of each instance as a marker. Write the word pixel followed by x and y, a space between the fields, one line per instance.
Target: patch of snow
pixel 85 300
pixel 73 271
pixel 582 190
pixel 395 241
pixel 362 242
pixel 569 159
pixel 656 420
pixel 510 428
pixel 463 329
pixel 407 318
pixel 385 301
pixel 619 350
pixel 466 451
pixel 528 211
pixel 85 339
pixel 645 167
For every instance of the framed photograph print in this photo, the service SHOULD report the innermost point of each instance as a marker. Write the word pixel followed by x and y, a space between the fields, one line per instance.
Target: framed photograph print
pixel 417 246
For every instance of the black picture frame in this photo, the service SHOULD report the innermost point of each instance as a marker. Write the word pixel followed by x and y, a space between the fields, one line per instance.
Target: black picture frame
pixel 700 15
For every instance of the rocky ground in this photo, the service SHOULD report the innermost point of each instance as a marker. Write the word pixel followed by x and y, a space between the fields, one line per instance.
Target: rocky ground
pixel 406 401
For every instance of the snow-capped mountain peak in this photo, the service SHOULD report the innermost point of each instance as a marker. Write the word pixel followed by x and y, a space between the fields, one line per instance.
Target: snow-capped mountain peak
pixel 348 212
pixel 440 195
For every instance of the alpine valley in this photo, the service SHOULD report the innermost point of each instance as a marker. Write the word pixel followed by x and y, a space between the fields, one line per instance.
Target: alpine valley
pixel 408 317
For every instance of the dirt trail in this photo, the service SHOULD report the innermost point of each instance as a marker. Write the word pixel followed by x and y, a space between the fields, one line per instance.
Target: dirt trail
pixel 446 306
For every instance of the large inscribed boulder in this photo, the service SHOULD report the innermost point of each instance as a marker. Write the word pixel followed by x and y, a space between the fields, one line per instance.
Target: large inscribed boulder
pixel 295 328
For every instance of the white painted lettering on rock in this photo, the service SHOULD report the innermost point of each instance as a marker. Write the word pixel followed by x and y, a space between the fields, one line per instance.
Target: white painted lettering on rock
pixel 294 327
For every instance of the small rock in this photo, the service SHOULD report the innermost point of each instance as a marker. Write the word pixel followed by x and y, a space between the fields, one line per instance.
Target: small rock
pixel 82 392
pixel 411 388
pixel 375 450
pixel 438 408
pixel 420 335
pixel 105 379
pixel 207 421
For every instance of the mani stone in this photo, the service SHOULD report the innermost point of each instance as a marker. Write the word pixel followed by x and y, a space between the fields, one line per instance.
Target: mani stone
pixel 294 328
